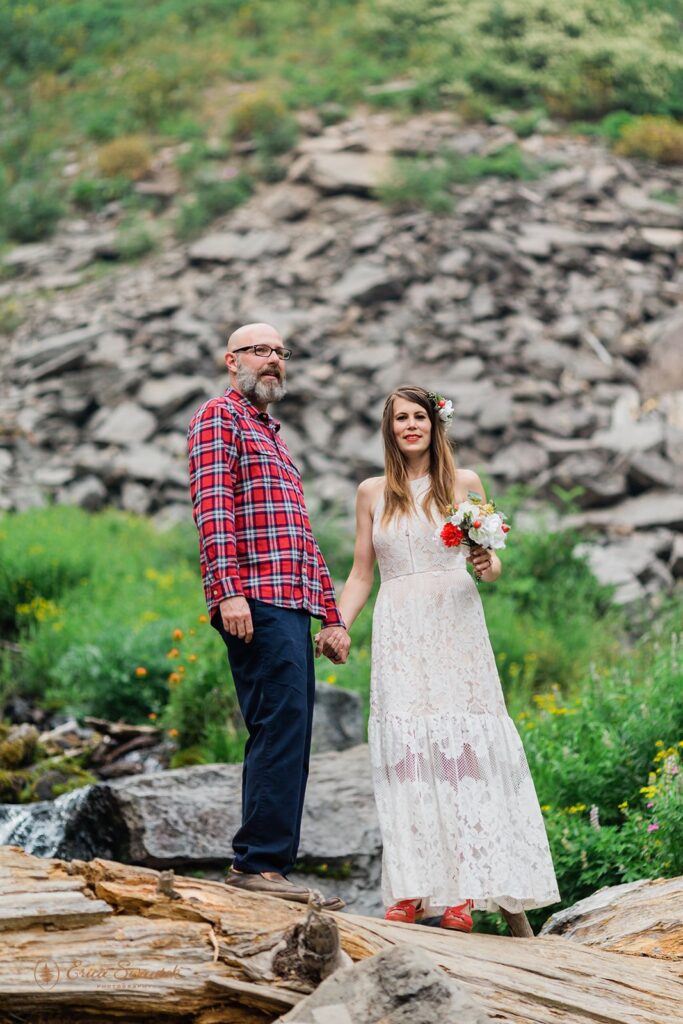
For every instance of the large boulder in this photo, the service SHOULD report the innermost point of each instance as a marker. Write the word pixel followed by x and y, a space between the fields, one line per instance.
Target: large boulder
pixel 397 986
pixel 185 818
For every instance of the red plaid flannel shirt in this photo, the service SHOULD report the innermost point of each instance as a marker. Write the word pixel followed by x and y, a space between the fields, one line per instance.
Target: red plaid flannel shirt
pixel 255 537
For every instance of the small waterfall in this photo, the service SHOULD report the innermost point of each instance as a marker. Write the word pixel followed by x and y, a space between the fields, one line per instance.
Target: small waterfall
pixel 43 828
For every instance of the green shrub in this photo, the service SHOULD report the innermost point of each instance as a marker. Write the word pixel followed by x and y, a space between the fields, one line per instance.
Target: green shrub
pixel 119 675
pixel 129 157
pixel 30 211
pixel 135 238
pixel 653 138
pixel 11 315
pixel 425 184
pixel 255 114
pixel 94 193
pixel 214 196
pixel 615 746
pixel 418 184
pixel 191 219
pixel 37 567
pixel 219 195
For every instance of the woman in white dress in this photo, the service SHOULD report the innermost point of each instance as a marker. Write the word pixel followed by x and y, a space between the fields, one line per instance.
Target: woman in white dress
pixel 460 821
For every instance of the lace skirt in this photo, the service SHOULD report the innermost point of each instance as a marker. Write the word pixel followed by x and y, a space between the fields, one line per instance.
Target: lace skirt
pixel 457 807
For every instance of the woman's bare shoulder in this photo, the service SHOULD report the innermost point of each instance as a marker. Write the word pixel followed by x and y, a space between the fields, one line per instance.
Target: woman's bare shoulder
pixel 467 480
pixel 369 493
pixel 373 485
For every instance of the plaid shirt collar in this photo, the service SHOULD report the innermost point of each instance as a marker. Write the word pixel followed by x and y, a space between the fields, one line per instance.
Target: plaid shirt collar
pixel 249 409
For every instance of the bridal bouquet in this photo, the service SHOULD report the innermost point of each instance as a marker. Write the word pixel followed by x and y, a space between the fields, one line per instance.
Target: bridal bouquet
pixel 474 522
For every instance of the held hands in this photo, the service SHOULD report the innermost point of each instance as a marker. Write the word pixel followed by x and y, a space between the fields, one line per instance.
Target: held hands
pixel 236 616
pixel 334 642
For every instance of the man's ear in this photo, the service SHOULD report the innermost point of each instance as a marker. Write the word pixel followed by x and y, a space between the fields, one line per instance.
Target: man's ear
pixel 230 360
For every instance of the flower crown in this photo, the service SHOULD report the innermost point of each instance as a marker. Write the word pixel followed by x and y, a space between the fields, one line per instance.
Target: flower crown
pixel 444 408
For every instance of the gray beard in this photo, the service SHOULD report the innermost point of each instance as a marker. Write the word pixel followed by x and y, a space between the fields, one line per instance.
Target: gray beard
pixel 253 388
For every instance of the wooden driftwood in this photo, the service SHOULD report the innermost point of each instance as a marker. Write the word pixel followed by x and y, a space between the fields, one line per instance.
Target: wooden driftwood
pixel 642 918
pixel 95 941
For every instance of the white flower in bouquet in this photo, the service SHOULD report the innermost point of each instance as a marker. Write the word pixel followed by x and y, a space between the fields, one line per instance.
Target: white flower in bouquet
pixel 489 533
pixel 463 509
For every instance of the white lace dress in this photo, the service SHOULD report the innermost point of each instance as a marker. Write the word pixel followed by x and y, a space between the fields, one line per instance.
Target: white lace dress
pixel 457 806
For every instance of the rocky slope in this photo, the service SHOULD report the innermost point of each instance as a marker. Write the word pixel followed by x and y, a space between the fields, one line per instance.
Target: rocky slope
pixel 549 311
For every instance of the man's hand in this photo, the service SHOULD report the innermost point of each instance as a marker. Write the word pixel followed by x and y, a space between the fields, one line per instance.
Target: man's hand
pixel 236 617
pixel 334 642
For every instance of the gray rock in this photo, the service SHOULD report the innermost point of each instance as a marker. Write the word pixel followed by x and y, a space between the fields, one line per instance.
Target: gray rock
pixel 655 508
pixel 482 302
pixel 366 358
pixel 521 460
pixel 89 492
pixel 401 985
pixel 29 255
pixel 126 424
pixel 676 560
pixel 148 462
pixel 602 482
pixel 338 721
pixel 653 470
pixel 136 498
pixel 186 817
pixel 289 202
pixel 58 352
pixel 227 246
pixel 357 173
pixel 366 283
pixel 170 393
pixel 639 435
pixel 663 372
pixel 666 239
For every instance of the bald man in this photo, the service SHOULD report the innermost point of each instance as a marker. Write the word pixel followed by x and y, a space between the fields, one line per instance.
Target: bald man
pixel 264 577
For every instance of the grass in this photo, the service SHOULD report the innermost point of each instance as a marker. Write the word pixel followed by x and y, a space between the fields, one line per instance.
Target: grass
pixel 421 183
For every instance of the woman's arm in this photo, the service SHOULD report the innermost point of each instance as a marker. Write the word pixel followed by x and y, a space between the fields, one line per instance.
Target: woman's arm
pixel 485 563
pixel 359 583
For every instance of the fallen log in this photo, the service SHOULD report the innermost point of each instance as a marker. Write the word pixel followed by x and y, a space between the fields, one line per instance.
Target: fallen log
pixel 95 941
pixel 643 918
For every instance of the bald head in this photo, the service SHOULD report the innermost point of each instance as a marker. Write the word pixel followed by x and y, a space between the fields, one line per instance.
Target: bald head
pixel 253 334
pixel 261 378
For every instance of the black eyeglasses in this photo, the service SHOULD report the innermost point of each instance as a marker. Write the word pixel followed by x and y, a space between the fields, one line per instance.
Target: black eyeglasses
pixel 263 351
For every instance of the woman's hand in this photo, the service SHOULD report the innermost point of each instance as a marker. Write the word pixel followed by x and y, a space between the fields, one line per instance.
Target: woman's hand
pixel 484 563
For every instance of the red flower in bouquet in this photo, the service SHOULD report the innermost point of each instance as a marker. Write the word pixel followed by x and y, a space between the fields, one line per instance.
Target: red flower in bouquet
pixel 451 535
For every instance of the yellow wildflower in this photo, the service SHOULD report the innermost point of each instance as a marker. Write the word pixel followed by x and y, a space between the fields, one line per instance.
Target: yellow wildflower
pixel 203 618
pixel 141 672
pixel 177 634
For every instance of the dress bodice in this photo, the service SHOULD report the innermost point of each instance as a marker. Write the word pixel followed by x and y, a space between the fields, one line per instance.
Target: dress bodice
pixel 411 544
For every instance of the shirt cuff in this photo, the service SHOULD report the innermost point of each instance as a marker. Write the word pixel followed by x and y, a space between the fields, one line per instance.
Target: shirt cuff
pixel 333 619
pixel 219 590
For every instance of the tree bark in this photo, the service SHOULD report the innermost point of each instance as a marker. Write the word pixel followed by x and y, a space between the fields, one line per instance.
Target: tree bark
pixel 95 941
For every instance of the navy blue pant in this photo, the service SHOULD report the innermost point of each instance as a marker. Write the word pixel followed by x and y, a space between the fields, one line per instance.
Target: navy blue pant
pixel 274 678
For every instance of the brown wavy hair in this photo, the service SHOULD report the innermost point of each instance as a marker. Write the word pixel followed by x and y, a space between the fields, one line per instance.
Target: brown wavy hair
pixel 398 495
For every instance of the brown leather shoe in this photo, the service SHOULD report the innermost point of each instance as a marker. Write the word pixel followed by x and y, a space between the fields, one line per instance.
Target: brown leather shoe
pixel 281 887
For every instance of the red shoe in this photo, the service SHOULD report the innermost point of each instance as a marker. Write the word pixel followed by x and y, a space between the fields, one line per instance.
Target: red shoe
pixel 458 919
pixel 405 911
